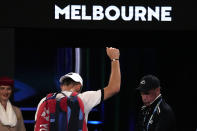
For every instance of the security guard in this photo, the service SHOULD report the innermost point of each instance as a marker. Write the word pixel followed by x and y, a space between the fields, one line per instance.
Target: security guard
pixel 155 114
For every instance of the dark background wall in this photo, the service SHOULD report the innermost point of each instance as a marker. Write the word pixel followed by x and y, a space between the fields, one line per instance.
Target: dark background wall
pixel 7 51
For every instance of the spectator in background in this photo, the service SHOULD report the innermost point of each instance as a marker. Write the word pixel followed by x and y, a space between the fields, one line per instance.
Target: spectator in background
pixel 11 118
pixel 155 114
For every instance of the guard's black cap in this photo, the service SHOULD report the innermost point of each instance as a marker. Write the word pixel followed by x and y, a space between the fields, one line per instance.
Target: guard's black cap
pixel 148 82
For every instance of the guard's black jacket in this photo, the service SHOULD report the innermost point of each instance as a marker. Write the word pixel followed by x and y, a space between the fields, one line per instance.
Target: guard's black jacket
pixel 163 118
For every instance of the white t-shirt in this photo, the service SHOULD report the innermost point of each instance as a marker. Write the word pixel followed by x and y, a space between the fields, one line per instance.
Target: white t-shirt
pixel 89 98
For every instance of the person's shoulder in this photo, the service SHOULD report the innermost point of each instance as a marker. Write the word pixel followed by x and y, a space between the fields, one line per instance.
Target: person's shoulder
pixel 89 92
pixel 167 112
pixel 15 107
pixel 87 95
pixel 166 107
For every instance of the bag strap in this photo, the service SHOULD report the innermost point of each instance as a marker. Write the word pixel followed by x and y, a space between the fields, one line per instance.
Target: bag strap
pixel 51 95
pixel 74 94
pixel 55 118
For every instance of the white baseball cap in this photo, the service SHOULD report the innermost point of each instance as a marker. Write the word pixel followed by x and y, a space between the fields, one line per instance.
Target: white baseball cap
pixel 74 76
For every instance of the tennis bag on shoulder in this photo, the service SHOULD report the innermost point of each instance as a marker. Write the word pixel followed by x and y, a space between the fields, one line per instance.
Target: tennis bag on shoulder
pixel 64 114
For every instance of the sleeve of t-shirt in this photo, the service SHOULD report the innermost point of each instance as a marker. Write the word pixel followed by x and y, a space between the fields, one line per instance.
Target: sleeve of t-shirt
pixel 43 99
pixel 92 99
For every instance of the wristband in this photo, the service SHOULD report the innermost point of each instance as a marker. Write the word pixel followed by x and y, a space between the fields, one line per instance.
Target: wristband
pixel 114 59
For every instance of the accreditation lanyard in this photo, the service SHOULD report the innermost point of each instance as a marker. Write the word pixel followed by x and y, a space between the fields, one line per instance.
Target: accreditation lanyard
pixel 153 114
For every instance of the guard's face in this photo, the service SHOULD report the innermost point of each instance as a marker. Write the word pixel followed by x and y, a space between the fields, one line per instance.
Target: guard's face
pixel 5 93
pixel 149 96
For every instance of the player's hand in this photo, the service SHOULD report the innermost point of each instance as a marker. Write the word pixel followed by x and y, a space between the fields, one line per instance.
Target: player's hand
pixel 113 53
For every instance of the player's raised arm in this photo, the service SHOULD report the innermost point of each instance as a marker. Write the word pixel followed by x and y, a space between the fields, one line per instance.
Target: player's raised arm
pixel 113 86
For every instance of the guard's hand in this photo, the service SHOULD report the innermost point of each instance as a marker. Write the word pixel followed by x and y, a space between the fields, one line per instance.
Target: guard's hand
pixel 113 53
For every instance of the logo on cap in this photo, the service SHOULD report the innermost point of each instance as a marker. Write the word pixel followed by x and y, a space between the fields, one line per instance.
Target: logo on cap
pixel 142 82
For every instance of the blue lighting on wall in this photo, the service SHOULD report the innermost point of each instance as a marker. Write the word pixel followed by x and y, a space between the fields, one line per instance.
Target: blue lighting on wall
pixel 29 121
pixel 23 91
pixel 68 60
pixel 95 122
pixel 89 122
pixel 28 108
